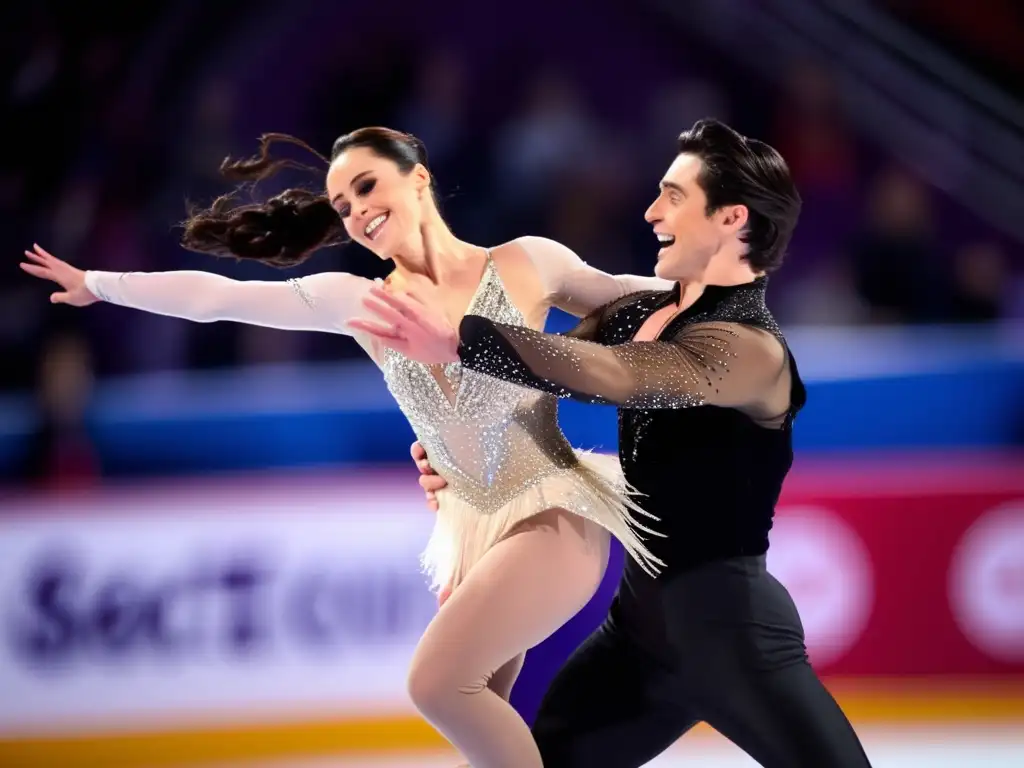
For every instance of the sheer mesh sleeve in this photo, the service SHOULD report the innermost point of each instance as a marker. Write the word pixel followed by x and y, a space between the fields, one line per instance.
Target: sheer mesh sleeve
pixel 588 327
pixel 321 302
pixel 572 285
pixel 723 364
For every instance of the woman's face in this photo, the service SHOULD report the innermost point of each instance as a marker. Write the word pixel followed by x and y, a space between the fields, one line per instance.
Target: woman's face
pixel 381 206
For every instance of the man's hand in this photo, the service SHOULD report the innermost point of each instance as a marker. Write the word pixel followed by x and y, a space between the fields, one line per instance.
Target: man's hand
pixel 409 326
pixel 430 481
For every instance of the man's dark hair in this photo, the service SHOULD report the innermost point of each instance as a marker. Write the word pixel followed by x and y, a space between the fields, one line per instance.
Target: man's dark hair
pixel 740 171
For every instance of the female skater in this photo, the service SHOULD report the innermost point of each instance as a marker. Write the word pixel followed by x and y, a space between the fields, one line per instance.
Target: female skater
pixel 522 533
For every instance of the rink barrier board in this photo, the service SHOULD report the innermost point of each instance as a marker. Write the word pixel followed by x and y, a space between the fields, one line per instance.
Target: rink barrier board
pixel 865 702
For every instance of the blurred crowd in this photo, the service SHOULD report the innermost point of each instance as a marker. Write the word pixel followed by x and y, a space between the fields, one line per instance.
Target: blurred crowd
pixel 103 155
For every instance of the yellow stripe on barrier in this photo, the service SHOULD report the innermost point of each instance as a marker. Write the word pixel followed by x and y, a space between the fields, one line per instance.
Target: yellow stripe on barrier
pixel 221 744
pixel 865 702
pixel 929 701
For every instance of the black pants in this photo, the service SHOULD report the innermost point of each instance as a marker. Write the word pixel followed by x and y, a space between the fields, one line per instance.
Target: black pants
pixel 722 644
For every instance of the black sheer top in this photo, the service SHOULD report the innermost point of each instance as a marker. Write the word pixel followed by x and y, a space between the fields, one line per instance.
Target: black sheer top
pixel 705 411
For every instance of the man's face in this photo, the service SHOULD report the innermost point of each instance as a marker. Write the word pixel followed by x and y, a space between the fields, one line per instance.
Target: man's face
pixel 688 235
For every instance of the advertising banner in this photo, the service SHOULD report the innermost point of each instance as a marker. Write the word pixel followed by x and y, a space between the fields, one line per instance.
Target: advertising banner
pixel 145 608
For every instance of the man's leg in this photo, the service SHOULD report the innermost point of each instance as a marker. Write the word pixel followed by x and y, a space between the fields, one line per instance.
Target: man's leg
pixel 610 706
pixel 746 672
pixel 786 719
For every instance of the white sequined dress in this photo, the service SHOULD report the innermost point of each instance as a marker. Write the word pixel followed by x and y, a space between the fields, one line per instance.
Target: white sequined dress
pixel 498 445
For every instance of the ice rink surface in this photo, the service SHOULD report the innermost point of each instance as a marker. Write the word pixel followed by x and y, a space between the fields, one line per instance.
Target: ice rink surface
pixel 945 746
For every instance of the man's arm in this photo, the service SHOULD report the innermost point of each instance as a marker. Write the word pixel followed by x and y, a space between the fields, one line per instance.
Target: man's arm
pixel 723 364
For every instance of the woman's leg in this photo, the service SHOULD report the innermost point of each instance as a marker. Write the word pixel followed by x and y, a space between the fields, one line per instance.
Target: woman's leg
pixel 521 591
pixel 501 682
